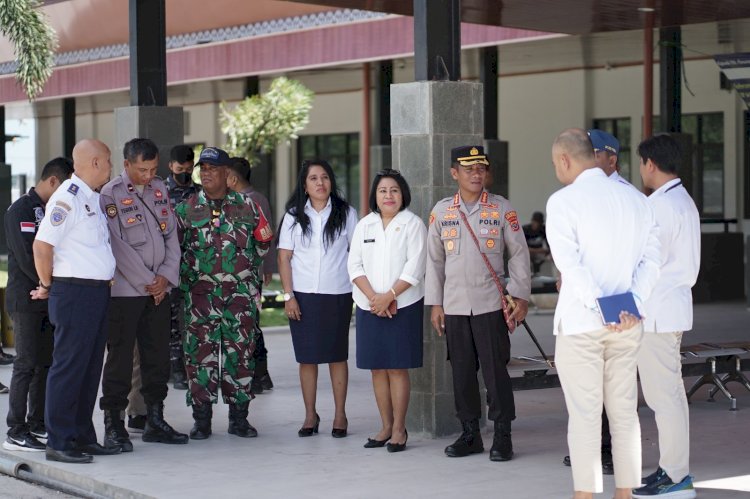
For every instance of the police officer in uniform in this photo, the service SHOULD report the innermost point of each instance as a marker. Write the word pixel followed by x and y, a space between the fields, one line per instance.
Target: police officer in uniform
pixel 74 262
pixel 144 242
pixel 466 303
pixel 223 236
pixel 180 186
pixel 31 325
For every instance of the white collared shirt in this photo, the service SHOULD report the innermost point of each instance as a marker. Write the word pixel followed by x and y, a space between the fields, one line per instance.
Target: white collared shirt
pixel 604 240
pixel 670 307
pixel 385 256
pixel 76 226
pixel 315 267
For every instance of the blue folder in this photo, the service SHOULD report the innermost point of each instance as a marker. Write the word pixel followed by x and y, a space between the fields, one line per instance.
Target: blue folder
pixel 611 306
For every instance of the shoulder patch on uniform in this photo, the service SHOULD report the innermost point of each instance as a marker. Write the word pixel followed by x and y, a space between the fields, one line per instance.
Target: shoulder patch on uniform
pixel 432 217
pixel 28 227
pixel 63 204
pixel 38 213
pixel 57 216
pixel 111 210
pixel 512 218
pixel 73 189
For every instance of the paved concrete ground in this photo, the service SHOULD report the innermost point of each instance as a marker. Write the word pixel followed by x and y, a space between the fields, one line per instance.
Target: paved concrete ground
pixel 279 464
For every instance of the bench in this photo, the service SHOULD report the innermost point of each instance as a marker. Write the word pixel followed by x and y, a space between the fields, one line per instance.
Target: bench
pixel 716 359
pixel 719 358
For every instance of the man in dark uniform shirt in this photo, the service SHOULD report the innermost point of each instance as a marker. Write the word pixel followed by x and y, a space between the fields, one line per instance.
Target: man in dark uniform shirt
pixel 31 324
pixel 536 240
pixel 180 186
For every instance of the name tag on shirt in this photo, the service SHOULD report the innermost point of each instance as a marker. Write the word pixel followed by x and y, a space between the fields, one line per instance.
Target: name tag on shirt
pixel 369 240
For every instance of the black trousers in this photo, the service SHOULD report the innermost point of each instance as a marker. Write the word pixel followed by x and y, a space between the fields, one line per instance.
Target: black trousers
pixel 34 342
pixel 476 341
pixel 79 314
pixel 132 318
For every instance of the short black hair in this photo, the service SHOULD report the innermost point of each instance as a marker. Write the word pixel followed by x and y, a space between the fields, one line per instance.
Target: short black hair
pixel 60 167
pixel 145 149
pixel 240 167
pixel 402 184
pixel 181 154
pixel 663 151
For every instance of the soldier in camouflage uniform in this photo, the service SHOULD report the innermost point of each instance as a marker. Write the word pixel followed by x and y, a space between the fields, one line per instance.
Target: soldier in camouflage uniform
pixel 223 236
pixel 180 186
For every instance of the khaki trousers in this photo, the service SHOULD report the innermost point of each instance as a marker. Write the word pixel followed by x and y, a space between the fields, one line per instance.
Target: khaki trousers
pixel 136 404
pixel 600 368
pixel 660 369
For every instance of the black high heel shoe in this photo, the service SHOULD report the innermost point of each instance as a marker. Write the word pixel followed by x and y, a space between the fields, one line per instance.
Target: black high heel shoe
pixel 372 443
pixel 308 432
pixel 339 432
pixel 398 447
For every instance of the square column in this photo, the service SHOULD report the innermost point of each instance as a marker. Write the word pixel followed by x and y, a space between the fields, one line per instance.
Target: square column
pixel 428 119
pixel 163 125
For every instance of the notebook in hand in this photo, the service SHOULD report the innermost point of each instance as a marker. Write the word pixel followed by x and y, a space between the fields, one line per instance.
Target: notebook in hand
pixel 611 306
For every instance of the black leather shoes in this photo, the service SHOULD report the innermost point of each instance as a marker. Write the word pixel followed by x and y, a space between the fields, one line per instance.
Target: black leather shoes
pixel 96 449
pixel 308 432
pixel 67 456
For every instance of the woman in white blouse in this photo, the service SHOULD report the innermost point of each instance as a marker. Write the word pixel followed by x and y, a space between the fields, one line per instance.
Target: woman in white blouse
pixel 387 265
pixel 313 245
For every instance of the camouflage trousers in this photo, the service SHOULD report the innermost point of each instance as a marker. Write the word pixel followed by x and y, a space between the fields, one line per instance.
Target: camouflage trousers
pixel 220 328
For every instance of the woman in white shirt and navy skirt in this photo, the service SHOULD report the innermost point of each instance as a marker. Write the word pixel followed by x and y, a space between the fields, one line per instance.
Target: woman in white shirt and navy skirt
pixel 387 265
pixel 313 244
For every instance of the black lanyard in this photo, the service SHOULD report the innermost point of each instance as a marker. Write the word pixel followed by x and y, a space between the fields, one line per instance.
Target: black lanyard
pixel 675 185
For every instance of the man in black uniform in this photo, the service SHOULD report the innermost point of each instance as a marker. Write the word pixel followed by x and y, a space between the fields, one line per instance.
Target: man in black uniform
pixel 31 325
pixel 180 186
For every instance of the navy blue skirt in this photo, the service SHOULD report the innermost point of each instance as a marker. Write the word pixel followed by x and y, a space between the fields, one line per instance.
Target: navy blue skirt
pixel 322 334
pixel 396 343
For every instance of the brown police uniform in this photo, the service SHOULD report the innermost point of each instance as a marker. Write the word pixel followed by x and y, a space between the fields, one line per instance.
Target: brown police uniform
pixel 457 278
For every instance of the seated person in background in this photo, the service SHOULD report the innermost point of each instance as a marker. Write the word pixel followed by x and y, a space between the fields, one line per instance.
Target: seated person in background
pixel 536 240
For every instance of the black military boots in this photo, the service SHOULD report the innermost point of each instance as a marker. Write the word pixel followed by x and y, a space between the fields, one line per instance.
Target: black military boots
pixel 238 424
pixel 115 434
pixel 202 416
pixel 502 446
pixel 158 430
pixel 469 442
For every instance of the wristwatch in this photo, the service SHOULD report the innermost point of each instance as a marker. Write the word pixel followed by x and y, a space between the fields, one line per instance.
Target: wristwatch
pixel 288 296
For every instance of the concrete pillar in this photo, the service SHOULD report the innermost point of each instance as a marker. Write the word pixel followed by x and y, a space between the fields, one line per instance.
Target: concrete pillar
pixel 428 119
pixel 163 125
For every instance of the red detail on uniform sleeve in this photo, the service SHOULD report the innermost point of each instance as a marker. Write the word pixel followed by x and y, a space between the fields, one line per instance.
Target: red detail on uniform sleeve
pixel 512 219
pixel 263 231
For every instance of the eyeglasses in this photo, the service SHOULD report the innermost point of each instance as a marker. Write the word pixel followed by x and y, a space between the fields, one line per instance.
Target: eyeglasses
pixel 469 170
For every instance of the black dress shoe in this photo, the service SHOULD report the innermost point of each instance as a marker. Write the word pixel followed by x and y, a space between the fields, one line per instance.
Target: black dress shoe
pixel 67 456
pixel 373 444
pixel 391 447
pixel 339 432
pixel 308 432
pixel 96 449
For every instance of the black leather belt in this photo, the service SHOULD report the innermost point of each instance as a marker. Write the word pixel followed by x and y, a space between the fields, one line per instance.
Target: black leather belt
pixel 84 282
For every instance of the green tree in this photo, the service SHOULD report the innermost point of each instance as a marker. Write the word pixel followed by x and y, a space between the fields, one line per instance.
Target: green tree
pixel 34 42
pixel 257 124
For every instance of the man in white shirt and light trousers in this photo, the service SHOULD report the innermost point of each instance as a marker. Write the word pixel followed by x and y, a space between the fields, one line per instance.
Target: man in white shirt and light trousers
pixel 667 314
pixel 603 238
